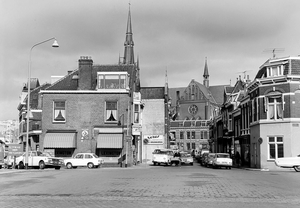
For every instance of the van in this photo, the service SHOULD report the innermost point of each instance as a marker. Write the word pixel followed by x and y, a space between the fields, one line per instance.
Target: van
pixel 162 156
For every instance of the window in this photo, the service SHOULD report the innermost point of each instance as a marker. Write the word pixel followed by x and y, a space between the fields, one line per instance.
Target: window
pixel 88 156
pixel 181 135
pixel 188 146
pixel 275 71
pixel 112 80
pixel 79 156
pixel 111 111
pixel 204 135
pixel 193 146
pixel 275 147
pixel 230 122
pixel 188 135
pixel 275 108
pixel 193 135
pixel 59 111
pixel 136 113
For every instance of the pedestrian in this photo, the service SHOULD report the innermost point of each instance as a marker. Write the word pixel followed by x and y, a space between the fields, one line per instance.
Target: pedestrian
pixel 237 158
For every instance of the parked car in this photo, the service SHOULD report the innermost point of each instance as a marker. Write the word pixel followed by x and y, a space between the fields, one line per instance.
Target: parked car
pixel 90 160
pixel 209 159
pixel 186 158
pixel 162 156
pixel 289 162
pixel 199 155
pixel 8 161
pixel 39 159
pixel 222 160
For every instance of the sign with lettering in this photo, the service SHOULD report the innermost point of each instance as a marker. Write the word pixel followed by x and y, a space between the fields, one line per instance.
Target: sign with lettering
pixel 154 139
pixel 15 149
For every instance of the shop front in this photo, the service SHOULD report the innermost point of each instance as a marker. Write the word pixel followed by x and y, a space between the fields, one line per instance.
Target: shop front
pixel 60 144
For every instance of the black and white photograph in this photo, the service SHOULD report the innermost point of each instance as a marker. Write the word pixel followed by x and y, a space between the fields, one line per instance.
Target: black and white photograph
pixel 149 103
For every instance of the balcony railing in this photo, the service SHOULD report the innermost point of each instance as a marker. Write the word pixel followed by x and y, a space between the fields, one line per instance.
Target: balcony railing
pixel 190 123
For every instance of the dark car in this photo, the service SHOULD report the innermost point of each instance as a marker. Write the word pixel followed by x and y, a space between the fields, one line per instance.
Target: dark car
pixel 209 159
pixel 204 159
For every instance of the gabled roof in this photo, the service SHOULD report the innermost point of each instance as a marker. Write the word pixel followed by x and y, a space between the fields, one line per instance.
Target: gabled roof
pixel 152 92
pixel 68 83
pixel 217 93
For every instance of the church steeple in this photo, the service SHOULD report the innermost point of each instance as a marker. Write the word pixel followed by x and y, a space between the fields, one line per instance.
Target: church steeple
pixel 128 52
pixel 206 75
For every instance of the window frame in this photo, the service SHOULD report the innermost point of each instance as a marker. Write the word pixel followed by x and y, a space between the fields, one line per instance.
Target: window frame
pixel 275 105
pixel 106 112
pixel 57 109
pixel 278 68
pixel 276 144
pixel 101 80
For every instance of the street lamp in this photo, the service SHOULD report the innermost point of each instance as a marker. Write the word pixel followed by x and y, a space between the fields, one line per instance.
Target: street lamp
pixel 55 45
pixel 119 124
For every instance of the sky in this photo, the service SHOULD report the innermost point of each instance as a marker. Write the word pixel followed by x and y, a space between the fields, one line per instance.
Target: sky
pixel 235 36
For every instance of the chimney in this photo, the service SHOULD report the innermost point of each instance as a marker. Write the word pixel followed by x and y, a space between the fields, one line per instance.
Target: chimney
pixel 85 73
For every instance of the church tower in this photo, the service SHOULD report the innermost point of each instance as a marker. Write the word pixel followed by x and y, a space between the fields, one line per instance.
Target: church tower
pixel 128 52
pixel 206 75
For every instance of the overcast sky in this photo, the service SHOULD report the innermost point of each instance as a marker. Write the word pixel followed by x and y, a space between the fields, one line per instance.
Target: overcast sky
pixel 172 35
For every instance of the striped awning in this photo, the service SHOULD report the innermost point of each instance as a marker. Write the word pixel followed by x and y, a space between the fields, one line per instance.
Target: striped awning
pixel 113 141
pixel 60 140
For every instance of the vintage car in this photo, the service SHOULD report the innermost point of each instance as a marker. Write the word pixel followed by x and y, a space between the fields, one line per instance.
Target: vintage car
pixel 89 160
pixel 289 162
pixel 162 156
pixel 209 160
pixel 222 160
pixel 39 159
pixel 199 155
pixel 185 158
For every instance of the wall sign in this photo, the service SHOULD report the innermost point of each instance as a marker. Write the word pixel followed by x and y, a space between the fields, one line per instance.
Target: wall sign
pixel 154 139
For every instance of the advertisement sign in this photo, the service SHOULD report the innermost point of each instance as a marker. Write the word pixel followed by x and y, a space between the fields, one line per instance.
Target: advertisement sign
pixel 154 139
pixel 15 149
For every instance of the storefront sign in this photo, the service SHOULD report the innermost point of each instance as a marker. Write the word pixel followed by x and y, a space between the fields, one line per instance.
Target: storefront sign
pixel 85 134
pixel 15 149
pixel 154 139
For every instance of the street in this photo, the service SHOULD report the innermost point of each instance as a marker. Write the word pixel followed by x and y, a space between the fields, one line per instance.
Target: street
pixel 149 186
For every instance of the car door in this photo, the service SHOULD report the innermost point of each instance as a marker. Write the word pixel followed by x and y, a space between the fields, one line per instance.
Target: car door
pixel 78 160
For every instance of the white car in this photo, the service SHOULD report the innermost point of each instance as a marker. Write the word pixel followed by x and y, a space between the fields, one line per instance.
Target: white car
pixel 222 160
pixel 162 156
pixel 90 160
pixel 289 162
pixel 39 159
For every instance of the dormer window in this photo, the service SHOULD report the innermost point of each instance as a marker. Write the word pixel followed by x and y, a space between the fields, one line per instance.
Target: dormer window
pixel 274 71
pixel 112 80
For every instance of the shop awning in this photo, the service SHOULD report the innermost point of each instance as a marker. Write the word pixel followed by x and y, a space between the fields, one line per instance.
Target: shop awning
pixel 113 141
pixel 60 140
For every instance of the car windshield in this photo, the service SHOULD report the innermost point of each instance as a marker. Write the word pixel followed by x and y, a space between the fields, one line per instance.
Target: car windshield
pixel 47 154
pixel 223 156
pixel 95 156
pixel 163 152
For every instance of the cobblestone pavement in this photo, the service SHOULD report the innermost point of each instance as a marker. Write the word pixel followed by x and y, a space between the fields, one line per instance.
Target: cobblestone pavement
pixel 149 186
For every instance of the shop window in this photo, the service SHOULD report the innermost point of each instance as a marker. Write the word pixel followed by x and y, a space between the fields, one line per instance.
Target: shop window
pixel 111 111
pixel 275 147
pixel 59 111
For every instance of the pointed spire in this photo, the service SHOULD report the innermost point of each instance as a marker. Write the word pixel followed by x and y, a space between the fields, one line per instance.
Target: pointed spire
pixel 138 82
pixel 128 52
pixel 206 75
pixel 166 82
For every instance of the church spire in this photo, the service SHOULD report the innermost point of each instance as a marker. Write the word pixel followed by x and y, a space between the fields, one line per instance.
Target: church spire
pixel 206 75
pixel 128 52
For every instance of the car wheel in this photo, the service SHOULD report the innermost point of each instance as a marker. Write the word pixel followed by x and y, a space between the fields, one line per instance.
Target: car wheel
pixel 41 165
pixel 192 163
pixel 21 165
pixel 154 163
pixel 297 168
pixel 57 168
pixel 69 165
pixel 90 165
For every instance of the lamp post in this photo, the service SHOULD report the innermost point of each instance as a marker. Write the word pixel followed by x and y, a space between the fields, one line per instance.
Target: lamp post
pixel 55 45
pixel 122 124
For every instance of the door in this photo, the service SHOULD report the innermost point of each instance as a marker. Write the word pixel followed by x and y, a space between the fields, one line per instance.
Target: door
pixel 79 161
